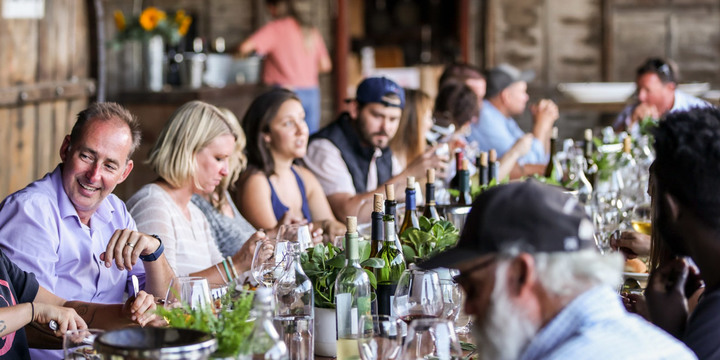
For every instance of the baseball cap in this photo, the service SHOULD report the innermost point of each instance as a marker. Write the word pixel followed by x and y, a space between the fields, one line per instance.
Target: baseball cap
pixel 376 89
pixel 501 76
pixel 529 215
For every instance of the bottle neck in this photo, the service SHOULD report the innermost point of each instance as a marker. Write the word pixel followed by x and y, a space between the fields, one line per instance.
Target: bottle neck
pixel 410 199
pixel 464 185
pixel 390 231
pixel 351 248
pixel 377 226
pixel 430 194
pixel 390 207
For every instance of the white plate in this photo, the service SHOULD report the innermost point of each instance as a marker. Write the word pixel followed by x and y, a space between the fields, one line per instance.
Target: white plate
pixel 598 92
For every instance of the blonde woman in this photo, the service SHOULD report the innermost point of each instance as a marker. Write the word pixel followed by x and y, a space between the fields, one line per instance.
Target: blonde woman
pixel 229 228
pixel 194 154
pixel 409 141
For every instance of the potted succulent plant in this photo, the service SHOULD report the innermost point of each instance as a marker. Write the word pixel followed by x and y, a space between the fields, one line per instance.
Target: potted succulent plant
pixel 322 264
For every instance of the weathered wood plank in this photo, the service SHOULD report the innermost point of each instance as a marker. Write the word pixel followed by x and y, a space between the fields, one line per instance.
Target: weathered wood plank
pixel 5 155
pixel 22 148
pixel 45 153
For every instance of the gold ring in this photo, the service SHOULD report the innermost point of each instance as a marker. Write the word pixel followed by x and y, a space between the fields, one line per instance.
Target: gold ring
pixel 130 245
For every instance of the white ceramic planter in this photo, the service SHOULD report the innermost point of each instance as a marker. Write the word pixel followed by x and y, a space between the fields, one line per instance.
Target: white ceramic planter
pixel 325 333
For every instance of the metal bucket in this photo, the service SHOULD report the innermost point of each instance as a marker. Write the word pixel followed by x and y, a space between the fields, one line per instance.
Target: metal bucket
pixel 456 214
pixel 155 343
pixel 247 70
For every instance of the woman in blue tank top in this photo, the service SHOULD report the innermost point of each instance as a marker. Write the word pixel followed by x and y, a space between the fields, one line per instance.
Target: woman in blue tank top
pixel 273 188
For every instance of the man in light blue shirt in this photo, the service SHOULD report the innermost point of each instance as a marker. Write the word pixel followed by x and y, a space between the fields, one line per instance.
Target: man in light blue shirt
pixel 538 286
pixel 657 95
pixel 507 97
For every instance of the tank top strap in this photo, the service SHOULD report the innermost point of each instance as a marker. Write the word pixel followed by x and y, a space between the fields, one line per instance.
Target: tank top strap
pixel 305 205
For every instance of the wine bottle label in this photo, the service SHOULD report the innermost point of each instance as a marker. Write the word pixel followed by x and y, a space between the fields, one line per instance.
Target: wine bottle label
pixel 347 315
pixel 385 298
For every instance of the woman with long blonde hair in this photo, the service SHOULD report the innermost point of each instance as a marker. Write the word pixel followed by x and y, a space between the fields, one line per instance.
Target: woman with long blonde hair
pixel 409 141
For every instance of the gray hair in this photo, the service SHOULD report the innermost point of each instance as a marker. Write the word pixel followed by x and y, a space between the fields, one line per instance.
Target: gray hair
pixel 571 273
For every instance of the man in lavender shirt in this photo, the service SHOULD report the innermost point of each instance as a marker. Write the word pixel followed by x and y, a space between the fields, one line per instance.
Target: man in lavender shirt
pixel 71 231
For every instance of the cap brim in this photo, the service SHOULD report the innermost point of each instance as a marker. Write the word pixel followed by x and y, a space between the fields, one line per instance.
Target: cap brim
pixel 527 76
pixel 449 259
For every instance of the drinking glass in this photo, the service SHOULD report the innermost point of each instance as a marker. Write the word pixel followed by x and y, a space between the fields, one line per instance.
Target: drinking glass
pixel 193 291
pixel 431 339
pixel 269 261
pixel 452 299
pixel 418 295
pixel 299 233
pixel 380 337
pixel 78 344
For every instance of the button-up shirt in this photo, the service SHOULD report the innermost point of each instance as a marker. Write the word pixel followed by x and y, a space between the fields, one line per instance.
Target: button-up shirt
pixel 596 326
pixel 682 102
pixel 497 131
pixel 41 232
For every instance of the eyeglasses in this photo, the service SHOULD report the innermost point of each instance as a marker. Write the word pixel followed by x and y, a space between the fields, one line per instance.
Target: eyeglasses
pixel 663 70
pixel 466 274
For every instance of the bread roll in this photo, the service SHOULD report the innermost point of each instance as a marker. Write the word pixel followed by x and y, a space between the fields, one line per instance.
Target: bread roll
pixel 635 265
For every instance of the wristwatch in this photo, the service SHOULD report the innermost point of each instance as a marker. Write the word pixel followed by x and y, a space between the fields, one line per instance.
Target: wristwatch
pixel 154 256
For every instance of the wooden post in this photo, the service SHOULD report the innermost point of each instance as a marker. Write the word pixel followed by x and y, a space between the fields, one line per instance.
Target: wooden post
pixel 342 50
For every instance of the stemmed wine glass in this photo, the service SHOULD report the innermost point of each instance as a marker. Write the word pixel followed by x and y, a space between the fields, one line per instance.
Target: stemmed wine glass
pixel 193 291
pixel 418 295
pixel 380 337
pixel 431 339
pixel 269 261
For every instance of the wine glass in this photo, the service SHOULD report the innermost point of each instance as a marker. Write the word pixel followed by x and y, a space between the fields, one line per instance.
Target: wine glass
pixel 431 339
pixel 380 337
pixel 193 291
pixel 269 261
pixel 452 299
pixel 78 344
pixel 418 295
pixel 299 233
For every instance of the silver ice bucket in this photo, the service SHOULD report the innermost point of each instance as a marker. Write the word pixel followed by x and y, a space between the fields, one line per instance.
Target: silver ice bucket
pixel 155 343
pixel 456 214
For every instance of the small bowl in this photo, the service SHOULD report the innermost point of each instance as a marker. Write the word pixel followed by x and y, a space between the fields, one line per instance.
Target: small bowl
pixel 598 92
pixel 155 343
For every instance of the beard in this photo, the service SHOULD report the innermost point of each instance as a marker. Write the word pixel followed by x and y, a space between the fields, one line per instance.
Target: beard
pixel 506 330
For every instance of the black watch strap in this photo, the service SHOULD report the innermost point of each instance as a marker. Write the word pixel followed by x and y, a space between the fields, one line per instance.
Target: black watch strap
pixel 154 256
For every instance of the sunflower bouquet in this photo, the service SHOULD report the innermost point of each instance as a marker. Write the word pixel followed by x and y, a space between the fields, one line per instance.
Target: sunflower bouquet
pixel 152 21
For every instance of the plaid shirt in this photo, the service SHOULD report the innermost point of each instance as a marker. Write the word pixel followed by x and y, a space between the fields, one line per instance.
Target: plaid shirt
pixel 596 326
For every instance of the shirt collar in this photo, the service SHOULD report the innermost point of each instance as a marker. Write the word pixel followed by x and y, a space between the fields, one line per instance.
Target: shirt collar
pixel 589 307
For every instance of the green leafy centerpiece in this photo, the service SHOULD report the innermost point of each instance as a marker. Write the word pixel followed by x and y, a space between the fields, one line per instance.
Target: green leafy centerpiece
pixel 230 325
pixel 433 237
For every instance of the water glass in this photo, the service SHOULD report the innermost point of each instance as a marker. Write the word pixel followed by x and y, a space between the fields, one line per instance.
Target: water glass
pixel 297 333
pixel 78 344
pixel 431 339
pixel 299 233
pixel 452 299
pixel 380 337
pixel 193 291
pixel 269 261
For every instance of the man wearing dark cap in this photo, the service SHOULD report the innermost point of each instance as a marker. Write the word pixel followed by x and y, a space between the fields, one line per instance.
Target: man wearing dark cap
pixel 506 97
pixel 351 157
pixel 539 288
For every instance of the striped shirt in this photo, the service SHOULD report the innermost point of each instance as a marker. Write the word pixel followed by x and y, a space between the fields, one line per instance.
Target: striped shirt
pixel 596 326
pixel 189 245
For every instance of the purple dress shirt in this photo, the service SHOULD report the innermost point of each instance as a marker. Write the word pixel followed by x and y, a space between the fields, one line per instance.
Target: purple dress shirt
pixel 41 232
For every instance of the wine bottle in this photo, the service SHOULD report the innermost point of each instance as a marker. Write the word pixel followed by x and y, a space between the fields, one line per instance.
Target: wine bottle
pixel 464 197
pixel 430 211
pixel 591 169
pixel 376 222
pixel 390 202
pixel 553 169
pixel 411 218
pixel 482 165
pixel 493 167
pixel 388 276
pixel 352 296
pixel 294 307
pixel 264 341
pixel 458 163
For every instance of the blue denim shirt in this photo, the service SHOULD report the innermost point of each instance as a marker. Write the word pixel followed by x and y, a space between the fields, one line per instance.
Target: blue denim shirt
pixel 495 131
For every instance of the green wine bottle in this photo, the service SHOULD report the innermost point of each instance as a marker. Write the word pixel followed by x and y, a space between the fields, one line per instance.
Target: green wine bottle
pixel 388 276
pixel 352 296
pixel 430 211
pixel 376 225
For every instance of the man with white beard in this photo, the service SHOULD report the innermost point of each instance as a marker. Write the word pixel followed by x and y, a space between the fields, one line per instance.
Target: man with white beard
pixel 537 286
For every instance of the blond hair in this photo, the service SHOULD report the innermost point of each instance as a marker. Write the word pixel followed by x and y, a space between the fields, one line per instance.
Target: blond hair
pixel 190 129
pixel 408 139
